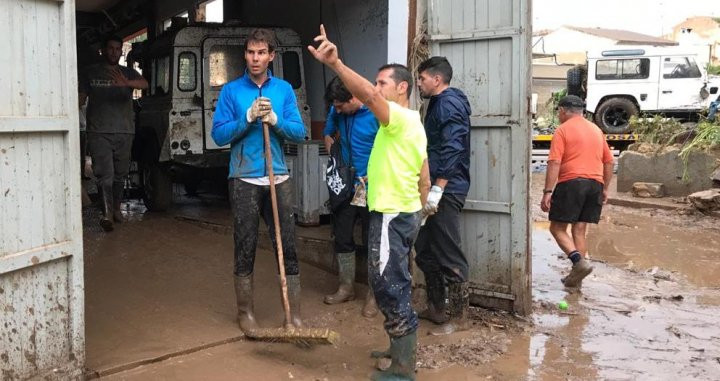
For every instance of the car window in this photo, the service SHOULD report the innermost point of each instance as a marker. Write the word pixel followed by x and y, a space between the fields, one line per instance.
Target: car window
pixel 161 77
pixel 680 67
pixel 187 63
pixel 227 62
pixel 633 68
pixel 291 69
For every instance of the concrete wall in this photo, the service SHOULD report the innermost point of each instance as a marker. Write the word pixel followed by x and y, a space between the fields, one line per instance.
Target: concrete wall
pixel 360 30
pixel 666 167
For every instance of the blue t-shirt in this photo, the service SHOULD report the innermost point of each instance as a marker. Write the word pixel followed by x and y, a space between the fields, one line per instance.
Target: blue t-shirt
pixel 358 129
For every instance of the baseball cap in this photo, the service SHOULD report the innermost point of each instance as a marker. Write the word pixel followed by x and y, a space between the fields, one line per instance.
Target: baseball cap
pixel 571 101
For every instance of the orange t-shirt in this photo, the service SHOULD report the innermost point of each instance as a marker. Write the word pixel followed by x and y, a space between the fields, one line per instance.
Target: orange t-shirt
pixel 580 147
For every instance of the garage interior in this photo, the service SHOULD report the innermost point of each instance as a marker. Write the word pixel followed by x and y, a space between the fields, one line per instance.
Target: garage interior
pixel 151 296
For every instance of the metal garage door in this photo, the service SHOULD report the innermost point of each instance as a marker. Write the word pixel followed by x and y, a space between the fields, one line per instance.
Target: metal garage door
pixel 41 268
pixel 487 43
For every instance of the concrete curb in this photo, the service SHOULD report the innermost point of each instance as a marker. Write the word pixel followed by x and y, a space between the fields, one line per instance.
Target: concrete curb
pixel 638 204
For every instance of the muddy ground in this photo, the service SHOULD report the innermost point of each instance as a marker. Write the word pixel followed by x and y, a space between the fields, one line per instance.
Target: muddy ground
pixel 160 306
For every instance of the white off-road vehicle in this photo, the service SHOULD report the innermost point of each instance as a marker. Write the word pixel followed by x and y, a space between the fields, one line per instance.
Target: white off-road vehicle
pixel 617 84
pixel 187 67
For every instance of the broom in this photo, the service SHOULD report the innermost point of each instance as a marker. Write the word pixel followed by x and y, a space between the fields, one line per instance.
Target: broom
pixel 289 333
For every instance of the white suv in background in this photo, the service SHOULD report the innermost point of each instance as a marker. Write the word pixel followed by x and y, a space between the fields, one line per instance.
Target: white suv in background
pixel 619 83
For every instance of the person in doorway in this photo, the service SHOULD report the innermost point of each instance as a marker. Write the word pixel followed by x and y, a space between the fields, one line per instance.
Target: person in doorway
pixel 438 247
pixel 399 182
pixel 579 170
pixel 356 127
pixel 243 106
pixel 108 88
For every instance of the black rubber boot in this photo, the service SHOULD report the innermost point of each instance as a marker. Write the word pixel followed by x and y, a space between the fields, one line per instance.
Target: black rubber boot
pixel 459 296
pixel 346 275
pixel 106 221
pixel 293 285
pixel 403 352
pixel 244 296
pixel 436 310
pixel 118 189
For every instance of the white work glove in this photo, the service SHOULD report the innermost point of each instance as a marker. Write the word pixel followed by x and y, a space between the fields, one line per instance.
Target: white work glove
pixel 259 109
pixel 433 199
pixel 270 118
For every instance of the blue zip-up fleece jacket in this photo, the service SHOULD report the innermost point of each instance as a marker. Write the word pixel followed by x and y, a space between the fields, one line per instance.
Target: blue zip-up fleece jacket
pixel 447 126
pixel 230 126
pixel 363 127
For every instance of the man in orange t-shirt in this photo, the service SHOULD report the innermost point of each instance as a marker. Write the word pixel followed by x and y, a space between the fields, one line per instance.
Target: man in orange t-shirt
pixel 580 167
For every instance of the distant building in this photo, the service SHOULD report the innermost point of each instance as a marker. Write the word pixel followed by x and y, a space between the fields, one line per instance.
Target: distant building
pixel 702 34
pixel 569 43
pixel 556 51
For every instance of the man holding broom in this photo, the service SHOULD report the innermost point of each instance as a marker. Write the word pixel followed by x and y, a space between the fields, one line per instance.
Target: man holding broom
pixel 399 183
pixel 244 105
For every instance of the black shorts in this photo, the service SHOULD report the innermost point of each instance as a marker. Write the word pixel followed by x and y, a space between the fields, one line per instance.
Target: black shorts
pixel 577 200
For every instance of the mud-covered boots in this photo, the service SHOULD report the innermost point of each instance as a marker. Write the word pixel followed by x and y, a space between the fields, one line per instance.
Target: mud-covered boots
pixel 370 309
pixel 459 303
pixel 118 189
pixel 346 275
pixel 580 270
pixel 106 221
pixel 436 294
pixel 403 351
pixel 244 296
pixel 293 286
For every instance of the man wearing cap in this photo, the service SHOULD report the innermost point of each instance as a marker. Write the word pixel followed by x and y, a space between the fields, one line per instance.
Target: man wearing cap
pixel 580 167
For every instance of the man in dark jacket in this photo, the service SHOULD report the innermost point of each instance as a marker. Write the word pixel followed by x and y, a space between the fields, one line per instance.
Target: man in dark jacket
pixel 438 247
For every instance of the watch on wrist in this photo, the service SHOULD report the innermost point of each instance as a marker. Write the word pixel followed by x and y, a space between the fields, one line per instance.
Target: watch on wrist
pixel 546 191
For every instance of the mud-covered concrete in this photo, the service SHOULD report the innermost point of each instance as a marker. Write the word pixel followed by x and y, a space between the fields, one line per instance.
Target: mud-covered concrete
pixel 159 288
pixel 678 176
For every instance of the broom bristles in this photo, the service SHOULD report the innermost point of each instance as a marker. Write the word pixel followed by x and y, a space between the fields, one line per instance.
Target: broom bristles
pixel 299 336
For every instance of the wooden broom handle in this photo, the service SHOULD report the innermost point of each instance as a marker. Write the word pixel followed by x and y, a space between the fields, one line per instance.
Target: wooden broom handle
pixel 276 221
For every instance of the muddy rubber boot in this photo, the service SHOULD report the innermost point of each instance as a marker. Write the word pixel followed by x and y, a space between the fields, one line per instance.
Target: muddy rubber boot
pixel 403 352
pixel 244 296
pixel 436 310
pixel 579 271
pixel 346 275
pixel 459 296
pixel 117 200
pixel 293 285
pixel 370 309
pixel 106 221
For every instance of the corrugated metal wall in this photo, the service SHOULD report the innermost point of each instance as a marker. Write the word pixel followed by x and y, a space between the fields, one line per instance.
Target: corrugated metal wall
pixel 487 43
pixel 41 277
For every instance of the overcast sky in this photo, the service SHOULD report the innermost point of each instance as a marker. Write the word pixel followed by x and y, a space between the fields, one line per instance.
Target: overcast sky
pixel 653 17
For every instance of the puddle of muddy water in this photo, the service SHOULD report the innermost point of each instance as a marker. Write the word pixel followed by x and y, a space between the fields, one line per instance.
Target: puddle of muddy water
pixel 611 330
pixel 639 243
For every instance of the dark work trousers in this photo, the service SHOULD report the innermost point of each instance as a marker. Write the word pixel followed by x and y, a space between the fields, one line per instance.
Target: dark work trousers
pixel 344 218
pixel 110 157
pixel 391 237
pixel 438 246
pixel 248 203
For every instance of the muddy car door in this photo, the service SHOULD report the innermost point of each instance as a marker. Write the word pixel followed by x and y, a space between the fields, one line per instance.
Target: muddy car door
pixel 223 61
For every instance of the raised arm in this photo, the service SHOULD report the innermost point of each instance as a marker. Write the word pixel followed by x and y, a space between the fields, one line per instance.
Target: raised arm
pixel 358 86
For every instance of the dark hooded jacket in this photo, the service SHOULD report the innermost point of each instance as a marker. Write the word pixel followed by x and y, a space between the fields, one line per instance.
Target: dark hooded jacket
pixel 447 126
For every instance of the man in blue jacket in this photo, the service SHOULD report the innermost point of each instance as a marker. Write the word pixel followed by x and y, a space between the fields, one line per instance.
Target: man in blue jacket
pixel 438 247
pixel 356 127
pixel 244 105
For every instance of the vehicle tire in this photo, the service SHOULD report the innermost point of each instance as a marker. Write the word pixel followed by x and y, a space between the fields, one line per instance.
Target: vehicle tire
pixel 613 115
pixel 575 81
pixel 191 188
pixel 157 187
